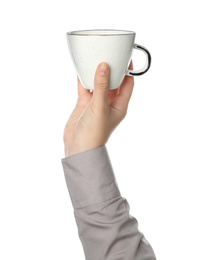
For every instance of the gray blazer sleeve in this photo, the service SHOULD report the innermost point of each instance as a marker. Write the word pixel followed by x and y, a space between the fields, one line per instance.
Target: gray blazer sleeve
pixel 106 229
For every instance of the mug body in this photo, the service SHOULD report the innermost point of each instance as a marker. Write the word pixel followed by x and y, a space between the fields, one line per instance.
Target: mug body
pixel 88 48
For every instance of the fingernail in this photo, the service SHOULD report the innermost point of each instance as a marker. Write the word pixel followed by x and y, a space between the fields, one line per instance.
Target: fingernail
pixel 103 68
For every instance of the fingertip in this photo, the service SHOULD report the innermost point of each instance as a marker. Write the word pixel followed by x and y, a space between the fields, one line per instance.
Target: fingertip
pixel 103 68
pixel 131 67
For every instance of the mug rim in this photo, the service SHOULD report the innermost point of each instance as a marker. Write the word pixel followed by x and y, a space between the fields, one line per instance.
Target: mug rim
pixel 100 32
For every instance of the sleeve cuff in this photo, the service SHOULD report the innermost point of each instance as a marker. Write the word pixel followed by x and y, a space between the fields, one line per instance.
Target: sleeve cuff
pixel 90 178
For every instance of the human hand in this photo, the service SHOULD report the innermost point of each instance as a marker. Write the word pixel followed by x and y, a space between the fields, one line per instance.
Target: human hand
pixel 96 113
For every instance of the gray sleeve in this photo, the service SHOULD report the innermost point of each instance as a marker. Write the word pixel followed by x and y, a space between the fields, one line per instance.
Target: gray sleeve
pixel 106 229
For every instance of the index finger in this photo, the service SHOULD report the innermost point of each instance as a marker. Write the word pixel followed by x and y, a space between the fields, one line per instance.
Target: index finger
pixel 126 87
pixel 81 89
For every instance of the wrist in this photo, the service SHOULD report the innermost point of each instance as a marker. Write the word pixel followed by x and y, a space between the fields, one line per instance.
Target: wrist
pixel 72 149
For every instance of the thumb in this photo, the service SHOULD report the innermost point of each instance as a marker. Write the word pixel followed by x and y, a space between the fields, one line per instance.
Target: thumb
pixel 101 81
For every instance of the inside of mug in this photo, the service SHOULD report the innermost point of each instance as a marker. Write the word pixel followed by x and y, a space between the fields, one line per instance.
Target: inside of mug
pixel 100 32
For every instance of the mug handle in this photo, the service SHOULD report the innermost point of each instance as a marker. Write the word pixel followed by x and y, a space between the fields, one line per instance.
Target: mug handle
pixel 146 67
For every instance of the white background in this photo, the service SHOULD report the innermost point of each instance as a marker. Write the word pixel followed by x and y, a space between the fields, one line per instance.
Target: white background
pixel 159 152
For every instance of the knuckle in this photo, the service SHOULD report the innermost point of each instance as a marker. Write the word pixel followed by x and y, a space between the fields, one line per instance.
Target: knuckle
pixel 101 82
pixel 102 85
pixel 122 115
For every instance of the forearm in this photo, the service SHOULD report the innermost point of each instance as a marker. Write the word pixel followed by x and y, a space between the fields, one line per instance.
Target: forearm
pixel 107 231
pixel 105 227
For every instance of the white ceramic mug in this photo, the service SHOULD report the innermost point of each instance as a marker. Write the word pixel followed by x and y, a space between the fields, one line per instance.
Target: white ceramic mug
pixel 88 48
